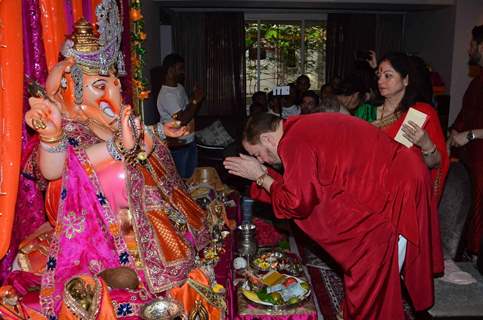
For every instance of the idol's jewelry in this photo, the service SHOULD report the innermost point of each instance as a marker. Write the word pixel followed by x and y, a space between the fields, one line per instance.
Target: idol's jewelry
pixel 112 149
pixel 54 139
pixel 61 147
pixel 38 124
pixel 76 73
pixel 63 83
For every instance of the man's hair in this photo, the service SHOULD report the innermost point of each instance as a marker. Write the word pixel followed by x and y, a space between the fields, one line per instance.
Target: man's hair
pixel 311 94
pixel 329 104
pixel 302 77
pixel 258 124
pixel 477 34
pixel 171 60
pixel 259 94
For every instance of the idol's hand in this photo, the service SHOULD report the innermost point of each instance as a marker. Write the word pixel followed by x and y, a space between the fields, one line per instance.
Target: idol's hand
pixel 172 129
pixel 244 166
pixel 44 116
pixel 130 127
pixel 417 136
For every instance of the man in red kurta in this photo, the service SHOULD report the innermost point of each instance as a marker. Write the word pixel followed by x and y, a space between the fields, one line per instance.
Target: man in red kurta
pixel 467 133
pixel 354 191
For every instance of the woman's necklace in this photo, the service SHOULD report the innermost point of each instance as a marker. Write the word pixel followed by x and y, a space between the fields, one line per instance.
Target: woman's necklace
pixel 383 109
pixel 382 112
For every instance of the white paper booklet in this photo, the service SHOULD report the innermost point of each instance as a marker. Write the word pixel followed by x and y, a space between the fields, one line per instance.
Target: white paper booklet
pixel 415 116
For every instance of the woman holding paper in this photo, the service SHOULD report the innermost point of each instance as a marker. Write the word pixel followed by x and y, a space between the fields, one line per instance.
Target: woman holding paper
pixel 416 125
pixel 413 123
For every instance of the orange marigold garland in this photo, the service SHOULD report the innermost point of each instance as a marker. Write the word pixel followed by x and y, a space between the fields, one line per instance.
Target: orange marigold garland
pixel 138 37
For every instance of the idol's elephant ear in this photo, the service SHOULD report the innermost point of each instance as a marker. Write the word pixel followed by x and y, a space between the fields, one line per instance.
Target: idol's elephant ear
pixel 11 115
pixel 54 80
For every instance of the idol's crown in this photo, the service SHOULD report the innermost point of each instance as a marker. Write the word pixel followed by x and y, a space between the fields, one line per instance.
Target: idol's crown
pixel 98 52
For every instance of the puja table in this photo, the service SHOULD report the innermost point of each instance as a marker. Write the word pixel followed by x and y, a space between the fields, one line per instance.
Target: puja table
pixel 238 307
pixel 249 311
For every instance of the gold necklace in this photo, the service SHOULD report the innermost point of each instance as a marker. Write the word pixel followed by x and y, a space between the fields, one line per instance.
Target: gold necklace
pixel 382 112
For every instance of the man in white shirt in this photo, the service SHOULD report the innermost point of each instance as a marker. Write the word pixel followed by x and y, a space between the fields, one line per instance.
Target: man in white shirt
pixel 289 104
pixel 173 104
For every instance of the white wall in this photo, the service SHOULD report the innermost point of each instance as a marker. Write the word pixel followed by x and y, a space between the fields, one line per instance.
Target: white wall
pixel 468 14
pixel 429 34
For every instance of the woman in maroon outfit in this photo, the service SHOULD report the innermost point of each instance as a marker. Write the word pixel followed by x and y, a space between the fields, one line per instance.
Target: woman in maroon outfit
pixel 467 133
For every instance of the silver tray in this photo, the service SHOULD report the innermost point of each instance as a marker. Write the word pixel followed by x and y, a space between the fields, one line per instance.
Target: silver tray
pixel 278 307
pixel 295 267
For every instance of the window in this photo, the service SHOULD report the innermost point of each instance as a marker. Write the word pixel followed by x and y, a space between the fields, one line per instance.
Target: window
pixel 279 51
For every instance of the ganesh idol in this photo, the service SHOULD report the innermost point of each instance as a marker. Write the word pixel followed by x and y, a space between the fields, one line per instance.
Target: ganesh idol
pixel 115 202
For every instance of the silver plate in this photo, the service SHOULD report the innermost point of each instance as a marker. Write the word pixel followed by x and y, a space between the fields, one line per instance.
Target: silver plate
pixel 293 268
pixel 279 307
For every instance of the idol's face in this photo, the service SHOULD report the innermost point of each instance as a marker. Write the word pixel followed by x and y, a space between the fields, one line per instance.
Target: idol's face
pixel 390 82
pixel 101 99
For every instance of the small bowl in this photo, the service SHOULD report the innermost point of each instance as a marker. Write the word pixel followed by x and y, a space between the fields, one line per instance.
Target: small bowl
pixel 162 309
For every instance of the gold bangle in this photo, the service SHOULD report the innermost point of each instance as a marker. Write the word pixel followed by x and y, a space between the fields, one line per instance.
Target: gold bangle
pixel 430 152
pixel 260 180
pixel 55 139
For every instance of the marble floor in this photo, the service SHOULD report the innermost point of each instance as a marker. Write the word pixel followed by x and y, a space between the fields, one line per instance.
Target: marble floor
pixel 459 301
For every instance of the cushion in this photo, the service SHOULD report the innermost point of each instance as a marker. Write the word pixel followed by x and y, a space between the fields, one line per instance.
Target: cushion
pixel 214 135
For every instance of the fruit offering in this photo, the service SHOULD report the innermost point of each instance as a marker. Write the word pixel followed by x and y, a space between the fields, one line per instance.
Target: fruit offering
pixel 286 291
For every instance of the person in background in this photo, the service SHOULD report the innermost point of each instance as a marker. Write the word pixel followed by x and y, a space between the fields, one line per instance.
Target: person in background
pixel 467 137
pixel 260 97
pixel 332 104
pixel 289 106
pixel 366 204
pixel 173 104
pixel 350 93
pixel 310 102
pixel 302 84
pixel 326 91
pixel 421 79
pixel 274 104
pixel 257 108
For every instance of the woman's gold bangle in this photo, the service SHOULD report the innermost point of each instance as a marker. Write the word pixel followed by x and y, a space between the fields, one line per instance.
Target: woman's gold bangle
pixel 55 139
pixel 430 152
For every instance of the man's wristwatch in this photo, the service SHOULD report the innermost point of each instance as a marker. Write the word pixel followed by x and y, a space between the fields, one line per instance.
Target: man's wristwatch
pixel 260 179
pixel 470 135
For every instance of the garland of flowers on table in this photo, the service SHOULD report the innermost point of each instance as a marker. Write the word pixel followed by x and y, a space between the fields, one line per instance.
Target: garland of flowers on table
pixel 138 37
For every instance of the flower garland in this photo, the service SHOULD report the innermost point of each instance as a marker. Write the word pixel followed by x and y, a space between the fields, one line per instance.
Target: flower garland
pixel 138 37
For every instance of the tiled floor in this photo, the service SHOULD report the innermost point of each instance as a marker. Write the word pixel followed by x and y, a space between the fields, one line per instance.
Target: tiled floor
pixel 459 301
